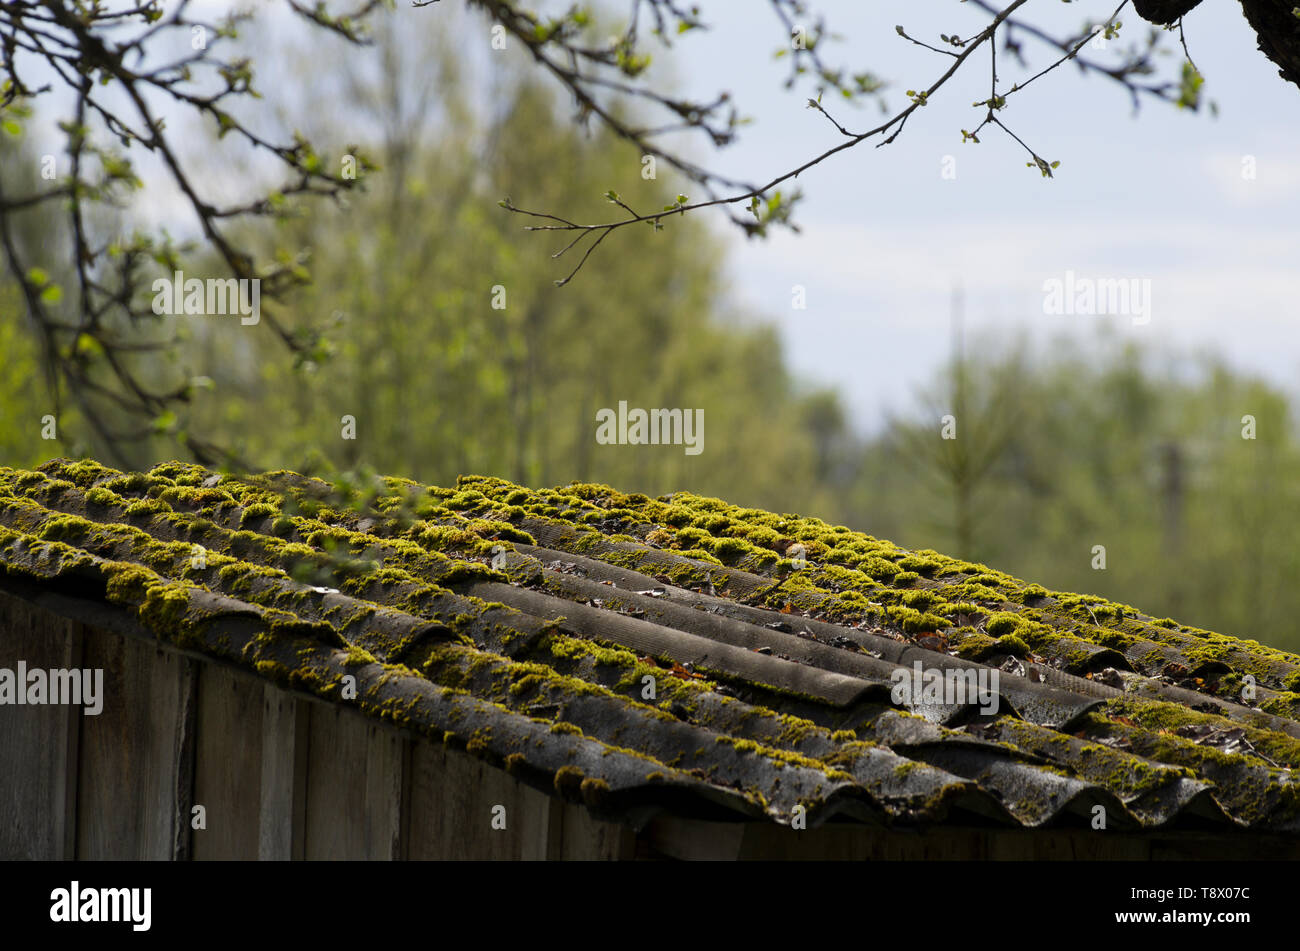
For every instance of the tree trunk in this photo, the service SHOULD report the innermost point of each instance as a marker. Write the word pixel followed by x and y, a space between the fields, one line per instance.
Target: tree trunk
pixel 1274 21
pixel 1278 29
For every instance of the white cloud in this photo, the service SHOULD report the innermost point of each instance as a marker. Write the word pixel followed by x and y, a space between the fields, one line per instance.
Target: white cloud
pixel 878 316
pixel 1254 178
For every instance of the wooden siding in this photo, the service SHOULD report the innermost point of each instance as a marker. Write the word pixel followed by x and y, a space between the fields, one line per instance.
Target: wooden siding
pixel 38 745
pixel 135 768
pixel 278 775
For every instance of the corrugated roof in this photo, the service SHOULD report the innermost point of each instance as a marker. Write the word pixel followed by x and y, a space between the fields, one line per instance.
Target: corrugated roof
pixel 678 654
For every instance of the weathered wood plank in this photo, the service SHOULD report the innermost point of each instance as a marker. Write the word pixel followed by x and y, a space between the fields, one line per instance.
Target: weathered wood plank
pixel 584 837
pixel 132 795
pixel 354 787
pixel 452 795
pixel 283 795
pixel 694 840
pixel 408 774
pixel 38 744
pixel 184 728
pixel 555 810
pixel 228 764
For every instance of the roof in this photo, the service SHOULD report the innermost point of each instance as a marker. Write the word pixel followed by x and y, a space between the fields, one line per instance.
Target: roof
pixel 676 654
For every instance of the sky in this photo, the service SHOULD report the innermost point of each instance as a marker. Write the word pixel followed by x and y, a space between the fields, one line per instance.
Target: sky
pixel 885 238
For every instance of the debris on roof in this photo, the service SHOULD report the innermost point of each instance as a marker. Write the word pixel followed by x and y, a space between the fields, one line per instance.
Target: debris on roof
pixel 678 654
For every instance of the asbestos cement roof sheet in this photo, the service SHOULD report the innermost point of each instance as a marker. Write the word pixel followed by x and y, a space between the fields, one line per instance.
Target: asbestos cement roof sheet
pixel 678 654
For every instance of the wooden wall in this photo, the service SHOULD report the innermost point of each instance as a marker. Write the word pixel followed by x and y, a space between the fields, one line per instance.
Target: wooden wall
pixel 277 776
pixel 38 745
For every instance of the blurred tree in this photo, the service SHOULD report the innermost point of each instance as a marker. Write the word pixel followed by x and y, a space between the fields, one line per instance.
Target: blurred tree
pixel 113 76
pixel 1178 468
pixel 121 79
pixel 434 326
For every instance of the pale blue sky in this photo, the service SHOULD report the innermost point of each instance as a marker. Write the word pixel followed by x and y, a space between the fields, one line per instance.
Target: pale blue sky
pixel 885 237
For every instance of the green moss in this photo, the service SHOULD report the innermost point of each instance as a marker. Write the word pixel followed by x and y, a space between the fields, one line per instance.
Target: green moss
pixel 62 527
pixel 103 497
pixel 1284 705
pixel 918 565
pixel 356 657
pixel 129 583
pixel 258 511
pixel 147 507
pixel 971 644
pixel 921 600
pixel 1003 622
pixel 915 622
pixel 165 609
pixel 568 782
pixel 1012 644
pixel 594 791
pixel 1032 593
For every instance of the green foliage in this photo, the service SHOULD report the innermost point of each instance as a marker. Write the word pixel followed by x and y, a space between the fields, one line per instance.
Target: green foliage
pixel 399 331
pixel 1106 447
pixel 21 406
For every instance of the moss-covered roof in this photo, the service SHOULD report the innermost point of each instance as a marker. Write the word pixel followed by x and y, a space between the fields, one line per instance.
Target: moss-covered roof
pixel 679 653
